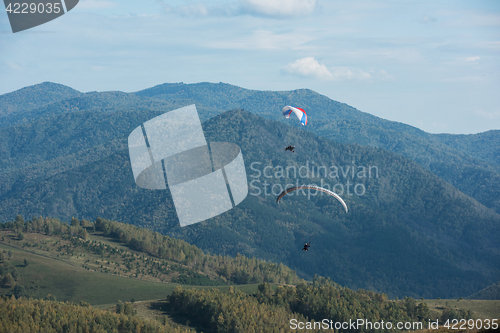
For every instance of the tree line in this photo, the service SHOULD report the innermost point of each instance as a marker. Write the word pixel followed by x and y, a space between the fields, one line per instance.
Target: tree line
pixel 28 315
pixel 237 270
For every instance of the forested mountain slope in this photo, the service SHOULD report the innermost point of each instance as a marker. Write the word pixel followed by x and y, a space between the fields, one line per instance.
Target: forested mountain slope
pixel 15 107
pixel 467 167
pixel 408 233
pixel 470 163
pixel 485 146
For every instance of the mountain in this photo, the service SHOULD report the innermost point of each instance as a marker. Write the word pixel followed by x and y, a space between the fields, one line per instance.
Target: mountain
pixel 408 231
pixel 468 166
pixel 468 162
pixel 489 293
pixel 16 106
pixel 485 146
pixel 478 178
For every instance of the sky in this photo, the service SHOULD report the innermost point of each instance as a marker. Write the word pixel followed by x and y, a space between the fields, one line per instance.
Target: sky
pixel 431 64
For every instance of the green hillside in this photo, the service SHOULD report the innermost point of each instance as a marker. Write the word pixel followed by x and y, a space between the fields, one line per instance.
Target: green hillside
pixel 82 263
pixel 74 263
pixel 65 282
pixel 407 220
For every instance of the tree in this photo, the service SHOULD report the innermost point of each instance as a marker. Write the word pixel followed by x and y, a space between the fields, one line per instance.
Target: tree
pixel 128 309
pixel 19 221
pixel 19 291
pixel 8 281
pixel 422 311
pixel 410 305
pixel 75 222
pixel 26 262
pixel 119 307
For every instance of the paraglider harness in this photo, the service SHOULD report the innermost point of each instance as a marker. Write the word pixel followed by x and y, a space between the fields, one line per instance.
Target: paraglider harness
pixel 306 246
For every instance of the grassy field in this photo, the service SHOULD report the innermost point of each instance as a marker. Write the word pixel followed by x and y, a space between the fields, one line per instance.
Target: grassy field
pixel 75 273
pixel 70 282
pixel 482 309
pixel 98 254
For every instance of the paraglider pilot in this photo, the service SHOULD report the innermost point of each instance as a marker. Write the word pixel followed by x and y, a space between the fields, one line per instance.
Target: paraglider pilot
pixel 290 148
pixel 306 246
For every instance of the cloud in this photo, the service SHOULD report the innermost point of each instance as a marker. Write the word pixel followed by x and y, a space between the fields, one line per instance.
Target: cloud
pixel 278 7
pixel 472 59
pixel 308 66
pixel 12 65
pixel 345 73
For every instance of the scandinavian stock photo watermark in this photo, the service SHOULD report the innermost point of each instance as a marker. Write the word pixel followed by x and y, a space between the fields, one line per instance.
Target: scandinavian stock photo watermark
pixel 271 180
pixel 363 324
pixel 26 14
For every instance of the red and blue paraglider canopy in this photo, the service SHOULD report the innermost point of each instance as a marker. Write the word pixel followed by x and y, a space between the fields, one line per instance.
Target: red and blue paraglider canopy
pixel 300 113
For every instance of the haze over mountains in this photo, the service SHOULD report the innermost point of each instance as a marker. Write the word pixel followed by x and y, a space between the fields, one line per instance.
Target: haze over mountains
pixel 426 225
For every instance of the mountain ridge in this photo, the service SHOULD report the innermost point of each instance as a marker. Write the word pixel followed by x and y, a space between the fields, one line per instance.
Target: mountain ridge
pixel 473 168
pixel 397 210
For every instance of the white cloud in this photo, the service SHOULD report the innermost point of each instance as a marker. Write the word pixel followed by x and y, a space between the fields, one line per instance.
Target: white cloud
pixel 279 7
pixel 345 73
pixel 13 65
pixel 472 59
pixel 308 66
pixel 96 4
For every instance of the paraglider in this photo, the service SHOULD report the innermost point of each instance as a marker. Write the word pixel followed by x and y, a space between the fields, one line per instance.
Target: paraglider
pixel 306 246
pixel 290 148
pixel 300 113
pixel 312 187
